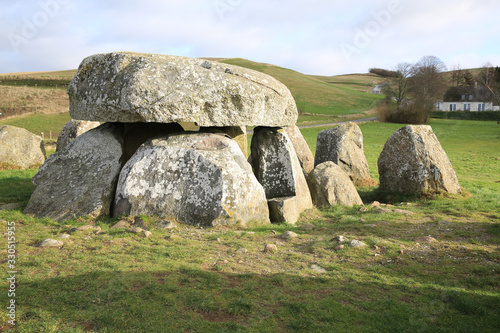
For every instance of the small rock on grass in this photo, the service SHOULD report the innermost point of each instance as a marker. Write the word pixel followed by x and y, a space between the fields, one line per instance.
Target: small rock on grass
pixel 289 235
pixel 122 224
pixel 318 269
pixel 270 248
pixel 146 233
pixel 139 223
pixel 356 243
pixel 341 239
pixel 64 236
pixel 51 243
pixel 242 250
pixel 425 239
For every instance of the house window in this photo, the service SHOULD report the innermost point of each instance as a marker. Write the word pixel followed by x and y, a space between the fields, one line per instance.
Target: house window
pixel 466 107
pixel 453 107
pixel 481 107
pixel 463 97
pixel 471 97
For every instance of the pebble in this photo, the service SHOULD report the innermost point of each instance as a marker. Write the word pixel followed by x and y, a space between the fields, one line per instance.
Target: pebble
pixel 341 239
pixel 147 233
pixel 270 248
pixel 121 224
pixel 318 269
pixel 356 243
pixel 64 236
pixel 425 239
pixel 289 235
pixel 242 250
pixel 339 247
pixel 51 243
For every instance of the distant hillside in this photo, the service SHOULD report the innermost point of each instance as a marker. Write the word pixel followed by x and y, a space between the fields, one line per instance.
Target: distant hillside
pixel 334 96
pixel 319 98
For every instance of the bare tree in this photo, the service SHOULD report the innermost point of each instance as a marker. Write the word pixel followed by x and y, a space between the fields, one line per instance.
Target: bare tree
pixel 487 75
pixel 414 91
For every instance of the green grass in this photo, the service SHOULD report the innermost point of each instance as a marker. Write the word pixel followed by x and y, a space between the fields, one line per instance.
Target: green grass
pixel 191 279
pixel 40 123
pixel 195 280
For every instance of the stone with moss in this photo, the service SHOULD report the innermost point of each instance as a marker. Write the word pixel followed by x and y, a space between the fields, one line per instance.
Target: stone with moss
pixel 135 87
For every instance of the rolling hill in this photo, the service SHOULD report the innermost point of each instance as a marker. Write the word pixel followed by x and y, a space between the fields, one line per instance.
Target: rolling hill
pixel 320 99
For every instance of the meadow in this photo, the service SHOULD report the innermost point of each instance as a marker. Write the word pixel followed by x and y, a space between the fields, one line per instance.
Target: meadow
pixel 220 280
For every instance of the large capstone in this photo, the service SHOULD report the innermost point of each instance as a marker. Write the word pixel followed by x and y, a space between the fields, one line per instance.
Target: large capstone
pixel 201 179
pixel 80 179
pixel 133 87
pixel 20 148
pixel 343 145
pixel 414 162
pixel 278 169
pixel 330 185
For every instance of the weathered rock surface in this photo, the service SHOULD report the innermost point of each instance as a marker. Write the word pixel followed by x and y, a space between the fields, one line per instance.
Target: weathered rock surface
pixel 201 179
pixel 79 180
pixel 278 169
pixel 72 129
pixel 21 148
pixel 343 145
pixel 237 133
pixel 330 185
pixel 133 87
pixel 414 162
pixel 304 153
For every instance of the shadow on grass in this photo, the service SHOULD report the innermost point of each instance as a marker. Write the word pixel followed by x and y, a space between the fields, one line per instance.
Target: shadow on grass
pixel 194 300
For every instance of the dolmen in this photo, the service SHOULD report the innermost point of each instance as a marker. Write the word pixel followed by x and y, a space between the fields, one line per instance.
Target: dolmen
pixel 141 161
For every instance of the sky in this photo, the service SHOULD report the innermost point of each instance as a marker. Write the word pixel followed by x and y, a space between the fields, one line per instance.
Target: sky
pixel 321 37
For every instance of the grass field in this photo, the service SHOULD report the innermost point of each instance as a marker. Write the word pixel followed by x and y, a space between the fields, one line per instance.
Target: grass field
pixel 219 280
pixel 318 96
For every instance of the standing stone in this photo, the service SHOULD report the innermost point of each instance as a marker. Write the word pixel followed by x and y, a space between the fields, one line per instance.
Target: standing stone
pixel 330 185
pixel 80 179
pixel 237 133
pixel 414 162
pixel 278 169
pixel 343 145
pixel 135 87
pixel 201 179
pixel 20 148
pixel 304 153
pixel 72 129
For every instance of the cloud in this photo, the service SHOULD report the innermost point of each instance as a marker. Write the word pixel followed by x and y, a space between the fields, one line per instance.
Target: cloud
pixel 305 36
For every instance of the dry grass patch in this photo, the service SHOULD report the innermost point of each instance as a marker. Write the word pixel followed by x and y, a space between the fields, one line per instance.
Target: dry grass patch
pixel 16 101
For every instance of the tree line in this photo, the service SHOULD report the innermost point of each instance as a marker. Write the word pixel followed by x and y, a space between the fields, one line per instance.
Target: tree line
pixel 413 89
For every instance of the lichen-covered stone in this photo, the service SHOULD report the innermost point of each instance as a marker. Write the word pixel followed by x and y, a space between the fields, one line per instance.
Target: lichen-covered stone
pixel 278 169
pixel 201 179
pixel 237 133
pixel 304 153
pixel 72 129
pixel 133 87
pixel 414 162
pixel 330 185
pixel 80 179
pixel 343 145
pixel 20 148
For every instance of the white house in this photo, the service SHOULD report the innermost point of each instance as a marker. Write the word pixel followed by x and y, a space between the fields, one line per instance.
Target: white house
pixel 468 99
